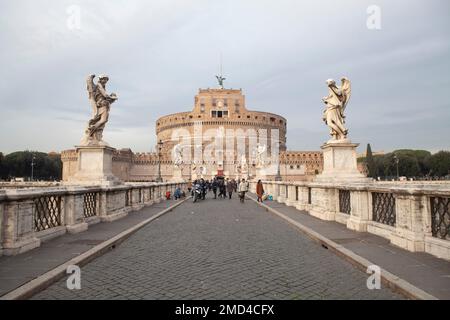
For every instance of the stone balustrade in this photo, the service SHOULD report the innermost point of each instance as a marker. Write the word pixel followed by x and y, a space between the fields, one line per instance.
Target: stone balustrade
pixel 413 216
pixel 30 216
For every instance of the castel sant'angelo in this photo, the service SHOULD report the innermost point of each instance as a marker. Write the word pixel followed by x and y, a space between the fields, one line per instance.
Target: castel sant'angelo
pixel 218 114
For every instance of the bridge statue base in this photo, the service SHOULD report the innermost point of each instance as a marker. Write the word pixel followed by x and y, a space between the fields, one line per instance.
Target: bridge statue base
pixel 94 166
pixel 339 163
pixel 177 175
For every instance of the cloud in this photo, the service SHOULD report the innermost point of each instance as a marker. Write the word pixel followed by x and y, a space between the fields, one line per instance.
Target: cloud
pixel 158 53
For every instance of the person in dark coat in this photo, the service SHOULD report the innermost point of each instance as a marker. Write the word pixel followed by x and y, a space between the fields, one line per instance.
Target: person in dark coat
pixel 214 186
pixel 230 188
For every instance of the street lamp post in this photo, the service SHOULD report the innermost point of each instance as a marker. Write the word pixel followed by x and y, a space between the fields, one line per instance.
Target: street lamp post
pixel 278 176
pixel 32 166
pixel 159 178
pixel 397 160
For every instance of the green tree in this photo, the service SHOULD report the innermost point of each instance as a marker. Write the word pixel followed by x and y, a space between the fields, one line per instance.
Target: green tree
pixel 440 163
pixel 421 156
pixel 2 166
pixel 46 167
pixel 371 167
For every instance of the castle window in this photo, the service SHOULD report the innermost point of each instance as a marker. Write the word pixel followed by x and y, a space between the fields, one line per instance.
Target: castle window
pixel 214 102
pixel 248 117
pixel 298 166
pixel 190 117
pixel 214 114
pixel 225 102
pixel 202 108
pixel 291 167
pixel 272 119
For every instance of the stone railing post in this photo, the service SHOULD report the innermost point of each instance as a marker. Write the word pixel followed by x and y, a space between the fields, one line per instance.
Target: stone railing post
pixel 115 204
pixel 281 192
pixel 102 205
pixel 359 210
pixel 19 235
pixel 323 204
pixel 302 203
pixel 291 198
pixel 73 211
pixel 137 198
pixel 148 196
pixel 276 190
pixel 156 193
pixel 409 228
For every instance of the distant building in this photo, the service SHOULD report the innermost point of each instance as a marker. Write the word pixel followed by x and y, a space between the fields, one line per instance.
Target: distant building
pixel 213 109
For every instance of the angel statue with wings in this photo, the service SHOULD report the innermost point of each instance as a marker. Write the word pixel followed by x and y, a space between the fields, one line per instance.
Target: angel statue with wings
pixel 220 79
pixel 177 155
pixel 336 101
pixel 100 103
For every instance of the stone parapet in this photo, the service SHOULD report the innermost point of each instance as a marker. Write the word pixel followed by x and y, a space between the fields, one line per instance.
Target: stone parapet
pixel 31 216
pixel 413 216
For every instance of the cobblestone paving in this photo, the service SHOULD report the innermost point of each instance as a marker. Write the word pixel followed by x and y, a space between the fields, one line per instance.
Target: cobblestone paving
pixel 218 249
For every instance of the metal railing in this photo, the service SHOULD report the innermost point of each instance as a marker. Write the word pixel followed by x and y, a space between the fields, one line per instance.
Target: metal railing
pixel 90 200
pixel 47 212
pixel 344 201
pixel 440 217
pixel 383 208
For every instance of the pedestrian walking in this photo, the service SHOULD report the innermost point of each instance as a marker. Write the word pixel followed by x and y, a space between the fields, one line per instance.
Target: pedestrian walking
pixel 230 188
pixel 189 186
pixel 243 188
pixel 222 189
pixel 259 191
pixel 214 186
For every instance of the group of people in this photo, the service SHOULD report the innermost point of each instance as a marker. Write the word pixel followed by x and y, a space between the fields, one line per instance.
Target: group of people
pixel 221 188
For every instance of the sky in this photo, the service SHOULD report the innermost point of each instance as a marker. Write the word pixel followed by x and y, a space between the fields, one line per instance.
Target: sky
pixel 159 53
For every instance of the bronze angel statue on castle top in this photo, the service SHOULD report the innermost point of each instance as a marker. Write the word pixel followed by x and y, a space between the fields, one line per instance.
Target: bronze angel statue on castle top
pixel 335 102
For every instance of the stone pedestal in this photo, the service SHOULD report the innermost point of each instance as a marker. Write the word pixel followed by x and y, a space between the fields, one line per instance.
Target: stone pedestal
pixel 339 163
pixel 177 175
pixel 94 166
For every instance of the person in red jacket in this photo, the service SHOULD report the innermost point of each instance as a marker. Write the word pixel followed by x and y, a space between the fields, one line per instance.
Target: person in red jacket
pixel 259 191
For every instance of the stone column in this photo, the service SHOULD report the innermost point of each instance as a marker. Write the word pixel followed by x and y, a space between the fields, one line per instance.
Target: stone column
pixel 281 192
pixel 19 235
pixel 73 210
pixel 291 201
pixel 102 205
pixel 137 201
pixel 323 203
pixel 156 197
pixel 359 210
pixel 409 228
pixel 116 204
pixel 302 203
pixel 148 199
pixel 275 191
